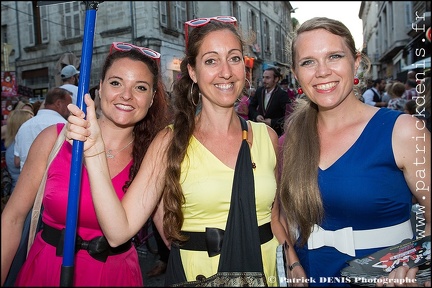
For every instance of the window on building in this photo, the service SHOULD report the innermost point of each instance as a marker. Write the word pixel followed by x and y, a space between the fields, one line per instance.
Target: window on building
pixel 37 23
pixel 253 25
pixel 30 24
pixel 44 23
pixel 277 6
pixel 278 43
pixel 408 14
pixel 40 93
pixel 173 14
pixel 285 57
pixel 4 34
pixel 72 19
pixel 267 38
pixel 237 12
pixel 36 78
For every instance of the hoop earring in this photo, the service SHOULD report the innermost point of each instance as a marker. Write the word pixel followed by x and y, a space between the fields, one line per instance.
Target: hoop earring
pixel 191 94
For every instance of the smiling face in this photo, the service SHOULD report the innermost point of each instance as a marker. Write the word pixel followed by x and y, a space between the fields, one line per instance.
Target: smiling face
pixel 219 70
pixel 324 67
pixel 126 92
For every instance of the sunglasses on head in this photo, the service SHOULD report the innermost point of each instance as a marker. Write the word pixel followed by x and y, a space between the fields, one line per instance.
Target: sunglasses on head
pixel 203 21
pixel 124 47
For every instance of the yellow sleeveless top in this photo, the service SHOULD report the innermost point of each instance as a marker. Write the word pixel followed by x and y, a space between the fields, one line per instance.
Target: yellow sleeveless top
pixel 207 186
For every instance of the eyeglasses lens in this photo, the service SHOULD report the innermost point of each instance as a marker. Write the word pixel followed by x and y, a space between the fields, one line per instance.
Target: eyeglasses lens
pixel 199 22
pixel 124 47
pixel 150 53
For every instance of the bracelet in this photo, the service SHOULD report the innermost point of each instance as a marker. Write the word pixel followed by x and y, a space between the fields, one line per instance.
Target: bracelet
pixel 103 151
pixel 291 267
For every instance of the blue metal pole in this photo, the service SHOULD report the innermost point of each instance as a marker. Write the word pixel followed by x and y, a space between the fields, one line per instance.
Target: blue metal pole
pixel 67 269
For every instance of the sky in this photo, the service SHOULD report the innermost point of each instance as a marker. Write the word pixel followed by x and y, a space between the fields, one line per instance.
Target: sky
pixel 344 11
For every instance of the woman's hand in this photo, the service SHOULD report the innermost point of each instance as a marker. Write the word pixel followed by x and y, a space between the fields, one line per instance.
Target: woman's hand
pixel 87 130
pixel 402 276
pixel 297 277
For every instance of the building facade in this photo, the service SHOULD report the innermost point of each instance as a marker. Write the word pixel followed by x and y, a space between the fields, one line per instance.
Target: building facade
pixel 39 39
pixel 395 37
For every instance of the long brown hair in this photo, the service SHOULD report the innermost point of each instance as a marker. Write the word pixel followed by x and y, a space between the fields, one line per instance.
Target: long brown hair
pixel 186 95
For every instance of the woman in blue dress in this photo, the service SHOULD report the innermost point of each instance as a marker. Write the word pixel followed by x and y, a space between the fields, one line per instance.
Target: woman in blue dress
pixel 351 170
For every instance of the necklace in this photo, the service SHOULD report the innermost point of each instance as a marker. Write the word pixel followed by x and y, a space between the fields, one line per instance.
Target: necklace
pixel 109 152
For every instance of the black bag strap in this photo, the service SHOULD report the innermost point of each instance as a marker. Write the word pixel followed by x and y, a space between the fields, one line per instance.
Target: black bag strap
pixel 241 247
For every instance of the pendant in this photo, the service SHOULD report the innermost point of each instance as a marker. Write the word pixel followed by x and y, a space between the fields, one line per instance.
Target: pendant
pixel 109 155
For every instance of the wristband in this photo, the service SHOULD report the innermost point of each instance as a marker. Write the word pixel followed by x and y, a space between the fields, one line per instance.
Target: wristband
pixel 291 267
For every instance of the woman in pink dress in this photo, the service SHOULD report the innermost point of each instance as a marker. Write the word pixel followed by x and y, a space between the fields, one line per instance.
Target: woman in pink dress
pixel 133 108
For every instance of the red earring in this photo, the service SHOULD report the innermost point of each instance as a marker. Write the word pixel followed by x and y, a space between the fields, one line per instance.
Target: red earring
pixel 356 81
pixel 299 91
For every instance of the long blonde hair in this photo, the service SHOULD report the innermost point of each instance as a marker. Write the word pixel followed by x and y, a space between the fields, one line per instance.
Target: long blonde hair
pixel 298 190
pixel 15 120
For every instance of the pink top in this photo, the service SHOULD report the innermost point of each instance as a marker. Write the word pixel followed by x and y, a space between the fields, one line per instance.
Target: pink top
pixel 57 188
pixel 43 267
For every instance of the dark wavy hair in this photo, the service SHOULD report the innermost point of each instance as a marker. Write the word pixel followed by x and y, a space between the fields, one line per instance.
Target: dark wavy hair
pixel 186 95
pixel 156 119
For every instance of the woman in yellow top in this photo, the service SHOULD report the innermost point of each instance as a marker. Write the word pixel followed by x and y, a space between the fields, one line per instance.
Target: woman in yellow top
pixel 191 163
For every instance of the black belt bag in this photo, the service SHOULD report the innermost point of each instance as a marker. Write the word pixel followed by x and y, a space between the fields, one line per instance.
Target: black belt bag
pixel 211 240
pixel 98 247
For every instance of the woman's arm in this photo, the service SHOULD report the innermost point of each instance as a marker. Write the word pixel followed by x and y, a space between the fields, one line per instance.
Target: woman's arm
pixel 23 196
pixel 119 221
pixel 412 149
pixel 280 227
pixel 281 231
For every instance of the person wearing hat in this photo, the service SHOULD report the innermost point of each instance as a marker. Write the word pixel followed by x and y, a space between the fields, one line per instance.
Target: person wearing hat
pixel 69 75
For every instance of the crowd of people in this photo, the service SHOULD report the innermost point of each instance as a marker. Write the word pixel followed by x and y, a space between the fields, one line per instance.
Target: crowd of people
pixel 330 158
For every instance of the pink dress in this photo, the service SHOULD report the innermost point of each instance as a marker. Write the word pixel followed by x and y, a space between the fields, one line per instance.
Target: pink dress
pixel 43 267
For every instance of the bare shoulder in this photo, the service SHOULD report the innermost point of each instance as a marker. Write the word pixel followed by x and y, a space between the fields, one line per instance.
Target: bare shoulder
pixel 408 126
pixel 272 133
pixel 46 138
pixel 411 139
pixel 273 137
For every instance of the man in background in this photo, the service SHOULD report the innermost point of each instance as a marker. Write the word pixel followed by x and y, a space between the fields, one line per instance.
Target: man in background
pixel 271 102
pixel 54 111
pixel 70 76
pixel 374 95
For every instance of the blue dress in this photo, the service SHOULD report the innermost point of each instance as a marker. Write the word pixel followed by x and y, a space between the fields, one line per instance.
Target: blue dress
pixel 364 189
